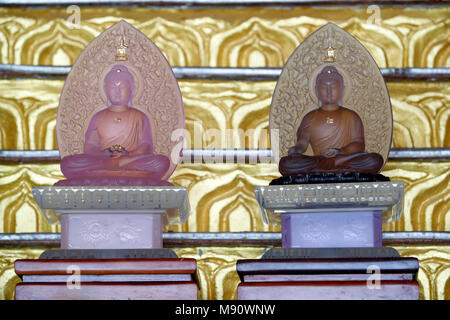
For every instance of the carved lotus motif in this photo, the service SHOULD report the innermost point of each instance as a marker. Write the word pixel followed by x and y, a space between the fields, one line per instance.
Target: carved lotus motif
pixel 129 233
pixel 94 232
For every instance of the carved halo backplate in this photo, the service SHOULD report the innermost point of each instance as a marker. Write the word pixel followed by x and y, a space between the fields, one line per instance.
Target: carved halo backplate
pixel 366 91
pixel 157 92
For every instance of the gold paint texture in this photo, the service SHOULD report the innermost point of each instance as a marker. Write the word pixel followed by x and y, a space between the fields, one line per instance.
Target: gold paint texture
pixel 8 278
pixel 434 270
pixel 222 196
pixel 421 119
pixel 18 210
pixel 427 195
pixel 221 114
pixel 218 280
pixel 254 37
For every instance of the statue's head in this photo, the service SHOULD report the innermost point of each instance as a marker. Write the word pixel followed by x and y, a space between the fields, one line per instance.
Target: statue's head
pixel 119 86
pixel 330 86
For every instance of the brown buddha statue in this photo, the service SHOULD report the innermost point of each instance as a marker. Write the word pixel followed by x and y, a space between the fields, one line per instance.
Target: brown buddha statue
pixel 335 133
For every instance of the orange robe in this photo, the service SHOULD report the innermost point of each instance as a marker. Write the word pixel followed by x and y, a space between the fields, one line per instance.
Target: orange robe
pixel 331 129
pixel 131 129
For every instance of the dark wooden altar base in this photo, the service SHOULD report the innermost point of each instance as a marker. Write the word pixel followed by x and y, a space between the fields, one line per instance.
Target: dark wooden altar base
pixel 328 279
pixel 329 177
pixel 105 279
pixel 108 291
pixel 328 290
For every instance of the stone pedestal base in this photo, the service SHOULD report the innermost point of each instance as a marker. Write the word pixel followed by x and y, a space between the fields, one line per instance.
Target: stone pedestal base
pixel 112 279
pixel 100 230
pixel 328 279
pixel 331 229
pixel 354 290
pixel 111 217
pixel 332 244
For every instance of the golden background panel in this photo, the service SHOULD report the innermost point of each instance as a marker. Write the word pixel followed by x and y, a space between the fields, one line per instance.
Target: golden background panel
pixel 427 195
pixel 222 114
pixel 253 37
pixel 421 113
pixel 434 270
pixel 218 279
pixel 222 196
pixel 28 109
pixel 8 278
pixel 19 211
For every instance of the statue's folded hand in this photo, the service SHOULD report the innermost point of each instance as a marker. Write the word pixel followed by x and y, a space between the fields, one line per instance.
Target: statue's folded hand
pixel 330 153
pixel 116 154
pixel 117 151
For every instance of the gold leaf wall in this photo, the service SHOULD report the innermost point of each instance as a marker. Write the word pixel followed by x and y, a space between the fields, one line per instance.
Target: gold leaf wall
pixel 253 37
pixel 421 113
pixel 404 37
pixel 231 205
pixel 421 119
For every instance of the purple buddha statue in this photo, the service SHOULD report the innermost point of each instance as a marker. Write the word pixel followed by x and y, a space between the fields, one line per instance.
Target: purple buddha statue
pixel 118 146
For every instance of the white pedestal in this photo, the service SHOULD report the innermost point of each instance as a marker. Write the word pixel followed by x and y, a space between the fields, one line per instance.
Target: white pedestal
pixel 334 215
pixel 113 217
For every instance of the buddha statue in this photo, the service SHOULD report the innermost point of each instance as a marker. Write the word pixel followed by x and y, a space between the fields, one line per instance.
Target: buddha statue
pixel 335 134
pixel 118 142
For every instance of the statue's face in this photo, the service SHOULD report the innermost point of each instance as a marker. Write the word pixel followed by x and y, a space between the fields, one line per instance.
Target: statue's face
pixel 330 88
pixel 118 92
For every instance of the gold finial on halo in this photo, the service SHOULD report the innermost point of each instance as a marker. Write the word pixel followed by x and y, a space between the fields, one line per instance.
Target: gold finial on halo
pixel 331 57
pixel 121 54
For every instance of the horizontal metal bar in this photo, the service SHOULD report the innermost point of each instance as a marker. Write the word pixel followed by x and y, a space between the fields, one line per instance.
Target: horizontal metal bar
pixel 187 4
pixel 276 236
pixel 418 74
pixel 417 235
pixel 32 236
pixel 179 239
pixel 29 156
pixel 417 154
pixel 214 73
pixel 219 236
pixel 226 155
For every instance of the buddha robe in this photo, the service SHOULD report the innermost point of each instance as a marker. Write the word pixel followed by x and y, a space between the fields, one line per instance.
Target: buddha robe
pixel 131 129
pixel 331 129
